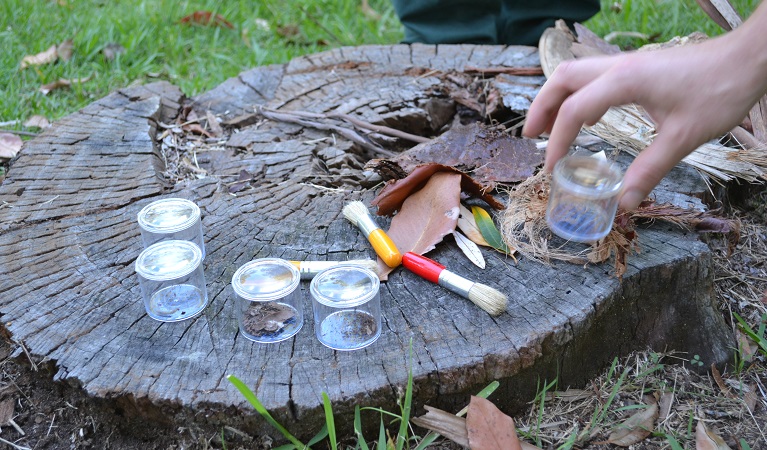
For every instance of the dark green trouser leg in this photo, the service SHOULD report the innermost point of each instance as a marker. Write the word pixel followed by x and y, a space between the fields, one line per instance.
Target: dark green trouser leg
pixel 523 22
pixel 486 21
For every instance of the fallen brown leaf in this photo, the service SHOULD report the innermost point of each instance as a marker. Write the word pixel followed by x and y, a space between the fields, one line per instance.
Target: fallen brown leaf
pixel 706 439
pixel 62 83
pixel 391 197
pixel 426 217
pixel 490 156
pixel 213 125
pixel 37 122
pixel 65 49
pixel 10 144
pixel 468 225
pixel 196 128
pixel 111 50
pixel 45 57
pixel 6 411
pixel 720 382
pixel 636 428
pixel 206 18
pixel 444 423
pixel 488 428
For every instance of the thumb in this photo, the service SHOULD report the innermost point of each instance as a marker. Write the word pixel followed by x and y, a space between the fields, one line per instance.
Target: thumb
pixel 652 164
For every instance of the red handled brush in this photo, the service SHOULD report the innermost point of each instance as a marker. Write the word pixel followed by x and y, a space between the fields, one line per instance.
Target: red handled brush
pixel 491 300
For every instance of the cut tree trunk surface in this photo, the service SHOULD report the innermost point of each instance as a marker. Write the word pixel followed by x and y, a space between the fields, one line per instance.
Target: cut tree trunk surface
pixel 69 238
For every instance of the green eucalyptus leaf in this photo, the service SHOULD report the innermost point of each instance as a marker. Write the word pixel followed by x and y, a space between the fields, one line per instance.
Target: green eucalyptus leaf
pixel 488 229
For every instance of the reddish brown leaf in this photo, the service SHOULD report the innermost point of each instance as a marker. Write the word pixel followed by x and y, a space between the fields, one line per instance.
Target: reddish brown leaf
pixel 490 156
pixel 394 193
pixel 206 18
pixel 488 428
pixel 426 217
pixel 196 128
pixel 10 144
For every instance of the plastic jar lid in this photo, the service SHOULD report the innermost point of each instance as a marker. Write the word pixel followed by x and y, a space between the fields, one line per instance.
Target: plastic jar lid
pixel 265 279
pixel 588 177
pixel 168 215
pixel 168 260
pixel 344 286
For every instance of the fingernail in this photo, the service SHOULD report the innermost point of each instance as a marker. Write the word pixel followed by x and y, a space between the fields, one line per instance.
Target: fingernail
pixel 631 199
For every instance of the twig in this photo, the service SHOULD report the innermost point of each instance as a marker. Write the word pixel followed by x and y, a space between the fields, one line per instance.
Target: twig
pixel 381 128
pixel 17 447
pixel 524 71
pixel 20 133
pixel 17 427
pixel 53 419
pixel 292 117
pixel 29 357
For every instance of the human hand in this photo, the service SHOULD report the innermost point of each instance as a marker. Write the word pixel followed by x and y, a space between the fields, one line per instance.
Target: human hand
pixel 693 93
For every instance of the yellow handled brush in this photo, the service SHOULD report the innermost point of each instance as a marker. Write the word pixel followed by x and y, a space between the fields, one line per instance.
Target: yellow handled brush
pixel 357 213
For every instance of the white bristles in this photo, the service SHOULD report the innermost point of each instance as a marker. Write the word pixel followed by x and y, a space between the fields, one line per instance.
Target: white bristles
pixel 354 211
pixel 490 300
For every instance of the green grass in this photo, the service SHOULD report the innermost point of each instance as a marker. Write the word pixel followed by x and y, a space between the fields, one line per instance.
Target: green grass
pixel 195 58
pixel 198 58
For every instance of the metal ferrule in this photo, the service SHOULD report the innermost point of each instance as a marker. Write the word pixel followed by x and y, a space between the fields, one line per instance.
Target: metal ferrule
pixel 367 225
pixel 455 283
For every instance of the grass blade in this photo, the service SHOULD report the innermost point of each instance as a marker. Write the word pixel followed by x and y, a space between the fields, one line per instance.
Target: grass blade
pixel 358 430
pixel 381 436
pixel 405 419
pixel 258 406
pixel 322 434
pixel 330 421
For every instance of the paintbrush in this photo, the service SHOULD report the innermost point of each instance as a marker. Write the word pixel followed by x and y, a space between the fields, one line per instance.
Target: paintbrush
pixel 309 269
pixel 357 213
pixel 491 300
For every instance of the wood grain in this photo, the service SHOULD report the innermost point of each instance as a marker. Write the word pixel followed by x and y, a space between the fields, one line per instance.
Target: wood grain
pixel 68 241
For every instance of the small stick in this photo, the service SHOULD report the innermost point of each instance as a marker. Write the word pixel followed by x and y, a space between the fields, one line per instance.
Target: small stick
pixel 21 344
pixel 349 134
pixel 524 71
pixel 17 447
pixel 381 129
pixel 17 427
pixel 20 133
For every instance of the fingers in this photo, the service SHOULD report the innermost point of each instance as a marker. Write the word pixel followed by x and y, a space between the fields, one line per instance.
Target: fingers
pixel 569 77
pixel 652 164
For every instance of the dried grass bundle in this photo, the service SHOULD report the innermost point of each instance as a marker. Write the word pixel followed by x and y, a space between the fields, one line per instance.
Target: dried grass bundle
pixel 630 129
pixel 523 226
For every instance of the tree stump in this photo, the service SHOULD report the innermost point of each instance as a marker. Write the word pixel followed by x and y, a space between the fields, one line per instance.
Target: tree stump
pixel 69 239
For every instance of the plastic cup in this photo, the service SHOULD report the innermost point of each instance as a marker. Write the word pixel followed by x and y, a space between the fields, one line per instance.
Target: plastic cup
pixel 583 198
pixel 172 281
pixel 268 300
pixel 171 219
pixel 347 307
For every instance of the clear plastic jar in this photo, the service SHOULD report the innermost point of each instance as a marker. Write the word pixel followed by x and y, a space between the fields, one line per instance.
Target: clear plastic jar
pixel 171 218
pixel 583 198
pixel 172 281
pixel 268 300
pixel 347 307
